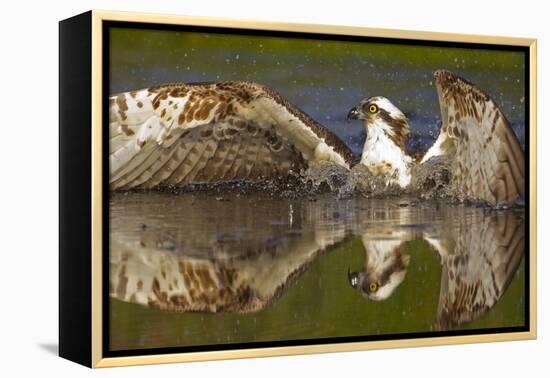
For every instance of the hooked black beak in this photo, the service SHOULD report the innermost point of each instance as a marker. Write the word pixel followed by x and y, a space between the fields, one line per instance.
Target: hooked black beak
pixel 353 278
pixel 353 114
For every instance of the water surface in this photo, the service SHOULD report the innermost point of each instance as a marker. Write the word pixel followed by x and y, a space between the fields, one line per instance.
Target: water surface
pixel 289 259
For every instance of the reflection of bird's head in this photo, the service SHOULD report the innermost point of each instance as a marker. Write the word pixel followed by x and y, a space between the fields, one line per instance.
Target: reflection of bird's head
pixel 384 273
pixel 379 112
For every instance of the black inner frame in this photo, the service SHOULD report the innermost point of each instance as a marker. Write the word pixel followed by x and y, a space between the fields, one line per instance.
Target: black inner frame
pixel 106 25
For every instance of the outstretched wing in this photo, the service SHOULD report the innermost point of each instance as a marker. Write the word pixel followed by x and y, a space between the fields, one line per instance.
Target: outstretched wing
pixel 479 268
pixel 177 134
pixel 488 162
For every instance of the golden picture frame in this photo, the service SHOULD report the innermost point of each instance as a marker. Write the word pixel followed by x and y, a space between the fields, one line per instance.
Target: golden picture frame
pixel 93 66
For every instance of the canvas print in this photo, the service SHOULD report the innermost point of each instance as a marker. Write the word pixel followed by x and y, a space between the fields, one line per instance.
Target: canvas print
pixel 271 188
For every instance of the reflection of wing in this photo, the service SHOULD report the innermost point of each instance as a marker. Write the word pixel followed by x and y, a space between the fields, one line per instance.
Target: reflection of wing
pixel 199 133
pixel 194 253
pixel 488 160
pixel 478 271
pixel 170 281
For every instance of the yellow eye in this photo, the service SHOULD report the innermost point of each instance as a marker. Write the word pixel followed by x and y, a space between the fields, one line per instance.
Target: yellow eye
pixel 373 108
pixel 373 287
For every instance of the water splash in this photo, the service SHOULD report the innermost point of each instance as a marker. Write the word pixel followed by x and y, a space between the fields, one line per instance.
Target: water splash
pixel 326 176
pixel 430 180
pixel 433 179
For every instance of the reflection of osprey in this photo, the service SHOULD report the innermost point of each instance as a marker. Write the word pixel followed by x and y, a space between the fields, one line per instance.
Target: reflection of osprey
pixel 165 280
pixel 487 160
pixel 479 268
pixel 387 263
pixel 242 263
pixel 478 262
pixel 177 134
pixel 245 261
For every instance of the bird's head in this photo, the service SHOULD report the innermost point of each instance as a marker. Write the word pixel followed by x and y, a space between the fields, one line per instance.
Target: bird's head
pixel 379 112
pixel 381 277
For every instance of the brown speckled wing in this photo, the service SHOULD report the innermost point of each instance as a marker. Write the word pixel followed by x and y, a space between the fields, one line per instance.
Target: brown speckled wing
pixel 488 161
pixel 222 151
pixel 479 268
pixel 178 134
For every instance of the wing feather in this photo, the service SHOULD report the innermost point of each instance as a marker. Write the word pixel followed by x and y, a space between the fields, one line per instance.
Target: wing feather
pixel 217 165
pixel 255 163
pixel 186 164
pixel 178 134
pixel 157 161
pixel 488 160
pixel 166 170
pixel 208 150
pixel 232 169
pixel 142 162
pixel 238 164
pixel 231 148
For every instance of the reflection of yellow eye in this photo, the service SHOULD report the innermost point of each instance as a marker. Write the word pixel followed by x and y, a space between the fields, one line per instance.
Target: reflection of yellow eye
pixel 373 108
pixel 373 287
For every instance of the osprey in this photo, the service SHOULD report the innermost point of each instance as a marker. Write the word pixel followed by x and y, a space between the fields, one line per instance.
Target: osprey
pixel 178 134
pixel 487 160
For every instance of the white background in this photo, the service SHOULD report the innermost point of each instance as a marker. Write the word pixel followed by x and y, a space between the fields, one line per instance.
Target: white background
pixel 29 188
